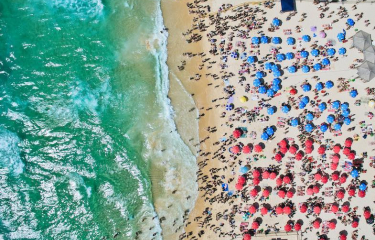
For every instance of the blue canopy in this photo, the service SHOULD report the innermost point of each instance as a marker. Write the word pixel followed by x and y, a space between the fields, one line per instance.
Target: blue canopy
pixel 289 55
pixel 323 127
pixel 276 73
pixel 257 82
pixel 268 65
pixel 276 87
pixel 262 89
pixel 317 66
pixel 251 59
pixel 280 57
pixel 276 22
pixel 346 112
pixel 259 74
pixel 347 121
pixel 270 131
pixel 305 99
pixel 337 126
pixel 294 122
pixel 314 52
pixel 306 87
pixel 264 136
pixel 276 81
pixel 322 106
pixel 309 127
pixel 264 39
pixel 363 187
pixel 301 105
pixel 306 38
pixel 270 92
pixel 271 110
pixel 255 40
pixel 319 86
pixel 330 118
pixel 329 84
pixel 244 169
pixel 285 109
pixel 292 69
pixel 344 106
pixel 326 61
pixel 304 54
pixel 290 41
pixel 350 22
pixel 336 104
pixel 331 52
pixel 341 36
pixel 305 69
pixel 354 173
pixel 353 93
pixel 342 51
pixel 309 117
pixel 276 40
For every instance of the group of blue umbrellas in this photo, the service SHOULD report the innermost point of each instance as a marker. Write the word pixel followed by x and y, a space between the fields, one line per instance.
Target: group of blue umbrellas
pixel 268 132
pixel 251 59
pixel 257 82
pixel 280 57
pixel 260 74
pixel 268 65
pixel 330 118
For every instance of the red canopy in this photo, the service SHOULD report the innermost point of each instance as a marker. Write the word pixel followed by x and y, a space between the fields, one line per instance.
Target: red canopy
pixel 316 224
pixel 246 149
pixel 239 186
pixel 288 228
pixel 342 179
pixel 265 174
pixel 355 224
pixel 343 237
pixel 351 156
pixel 346 151
pixel 256 173
pixel 303 208
pixel 293 150
pixel 246 237
pixel 345 208
pixel 256 181
pixel 310 191
pixel 297 227
pixel 322 150
pixel 336 148
pixel 253 192
pixel 241 180
pixel 281 193
pixel 336 158
pixel 255 225
pixel 286 179
pixel 266 193
pixel 299 155
pixel 334 208
pixel 367 214
pixel 332 225
pixel 340 194
pixel 335 176
pixel 283 143
pixel 289 194
pixel 237 133
pixel 361 194
pixel 283 150
pixel 308 150
pixel 348 142
pixel 279 181
pixel 316 189
pixel 318 176
pixel 279 210
pixel 273 175
pixel 258 148
pixel 252 209
pixel 287 210
pixel 263 210
pixel 308 143
pixel 236 149
pixel 317 209
pixel 324 179
pixel 334 166
pixel 278 157
pixel 351 192
pixel 293 91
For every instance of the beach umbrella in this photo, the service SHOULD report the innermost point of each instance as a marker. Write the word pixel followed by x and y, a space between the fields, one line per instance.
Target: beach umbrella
pixel 290 41
pixel 361 194
pixel 286 180
pixel 326 61
pixel 344 106
pixel 264 136
pixel 335 158
pixel 347 121
pixel 276 81
pixel 335 176
pixel 279 210
pixel 335 105
pixel 309 143
pixel 243 170
pixel 289 55
pixel 317 209
pixel 355 224
pixel 256 173
pixel 345 208
pixel 242 179
pixel 281 193
pixel 322 150
pixel 255 225
pixel 293 91
pixel 279 181
pixel 238 186
pixel 264 211
pixel 293 150
pixel 310 191
pixel 346 112
pixel 266 193
pixel 367 214
pixel 276 40
pixel 304 54
pixel 334 208
pixel 334 166
pixel 337 126
pixel 305 99
pixel 371 103
pixel 237 133
pixel 287 210
pixel 257 82
pixel 289 194
pixel 264 40
pixel 280 57
pixel 330 118
pixel 305 69
pixel 301 105
pixel 254 192
pixel 265 174
pixel 246 237
pixel 322 106
pixel 332 225
pixel 255 40
pixel 306 87
pixel 278 157
pixel 275 68
pixel 316 189
pixel 336 148
pixel 292 69
pixel 306 38
pixel 294 122
pixel 268 65
pixel 362 187
pixel 273 175
pixel 259 74
pixel 340 194
pixel 353 93
pixel 324 179
pixel 317 67
pixel 251 59
pixel 256 181
pixel 317 176
pixel 276 22
pixel 342 179
pixel 329 84
pixel 270 131
pixel 351 192
pixel 350 22
pixel 234 54
pixel 262 89
pixel 243 99
pixel 288 228
pixel 303 208
pixel 229 107
pixel 258 148
pixel 270 92
pixel 308 150
pixel 285 109
pixel 309 117
pixel 331 51
pixel 322 34
pixel 236 149
pixel 351 156
pixel 341 36
pixel 297 227
pixel 314 52
pixel 276 73
pixel 283 143
pixel 252 209
pixel 342 51
pixel 271 110
pixel 319 86
pixel 346 151
pixel 275 87
pixel 316 224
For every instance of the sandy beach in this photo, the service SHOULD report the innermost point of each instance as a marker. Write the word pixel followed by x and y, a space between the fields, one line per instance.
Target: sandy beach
pixel 283 163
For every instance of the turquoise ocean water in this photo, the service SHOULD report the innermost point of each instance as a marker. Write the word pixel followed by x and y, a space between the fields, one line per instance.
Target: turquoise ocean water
pixel 87 142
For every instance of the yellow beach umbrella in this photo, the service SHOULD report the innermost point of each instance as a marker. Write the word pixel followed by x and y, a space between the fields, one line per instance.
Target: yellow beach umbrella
pixel 371 103
pixel 243 99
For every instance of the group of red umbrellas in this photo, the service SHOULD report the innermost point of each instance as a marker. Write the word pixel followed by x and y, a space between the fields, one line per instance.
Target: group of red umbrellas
pixel 344 208
pixel 284 148
pixel 246 149
pixel 240 182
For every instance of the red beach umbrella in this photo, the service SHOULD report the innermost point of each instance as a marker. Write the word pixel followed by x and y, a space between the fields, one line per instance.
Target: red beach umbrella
pixel 303 208
pixel 308 150
pixel 279 210
pixel 343 237
pixel 297 227
pixel 348 142
pixel 253 192
pixel 351 192
pixel 317 176
pixel 265 174
pixel 264 211
pixel 237 133
pixel 316 224
pixel 255 225
pixel 281 193
pixel 289 194
pixel 252 209
pixel 293 91
pixel 241 180
pixel 256 181
pixel 256 173
pixel 346 151
pixel 340 194
pixel 322 150
pixel 335 176
pixel 367 214
pixel 317 209
pixel 265 193
pixel 345 208
pixel 247 237
pixel 273 175
pixel 278 157
pixel 236 149
pixel 316 189
pixel 283 150
pixel 283 143
pixel 279 181
pixel 239 186
pixel 308 143
pixel 342 179
pixel 355 224
pixel 336 158
pixel 293 150
pixel 361 194
pixel 288 228
pixel 310 191
pixel 258 148
pixel 299 156
pixel 334 208
pixel 351 156
pixel 324 179
pixel 336 148
pixel 332 225
pixel 246 149
pixel 286 179
pixel 287 210
pixel 334 166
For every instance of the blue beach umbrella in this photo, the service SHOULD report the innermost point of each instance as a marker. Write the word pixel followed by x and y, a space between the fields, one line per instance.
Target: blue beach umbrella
pixel 280 57
pixel 301 105
pixel 326 61
pixel 305 99
pixel 276 22
pixel 331 51
pixel 337 126
pixel 353 93
pixel 270 131
pixel 363 187
pixel 344 106
pixel 354 173
pixel 276 73
pixel 290 41
pixel 276 40
pixel 340 36
pixel 276 87
pixel 289 55
pixel 309 117
pixel 264 39
pixel 330 118
pixel 336 104
pixel 306 87
pixel 323 127
pixel 275 68
pixel 255 40
pixel 271 110
pixel 259 74
pixel 257 82
pixel 314 52
pixel 234 54
pixel 251 59
pixel 244 169
pixel 262 89
pixel 350 22
pixel 285 109
pixel 306 38
pixel 346 112
pixel 322 106
pixel 319 86
pixel 317 66
pixel 305 69
pixel 329 84
pixel 268 65
pixel 347 121
pixel 229 107
pixel 342 51
pixel 292 69
pixel 270 92
pixel 294 122
pixel 304 54
pixel 309 127
pixel 276 81
pixel 264 136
